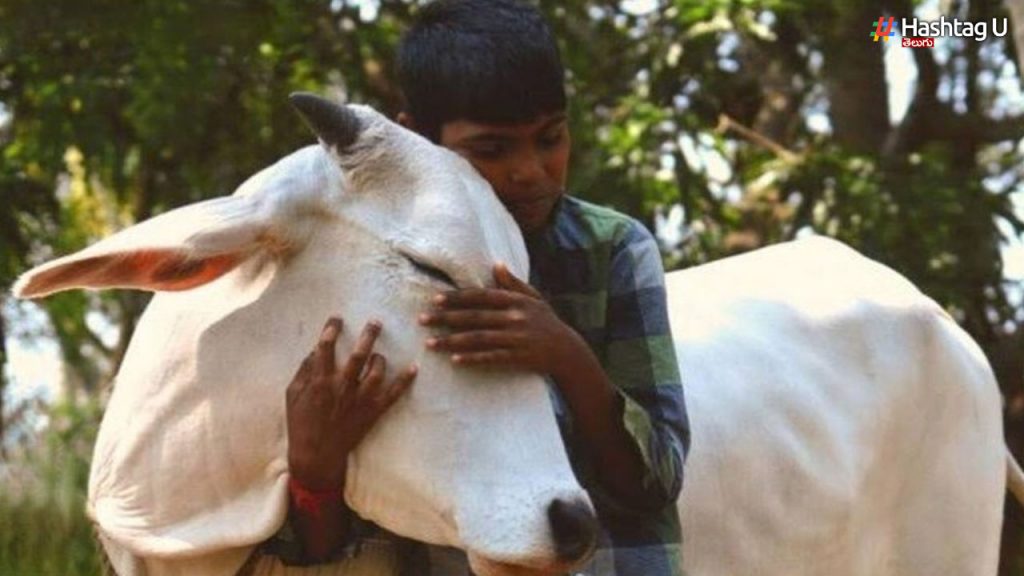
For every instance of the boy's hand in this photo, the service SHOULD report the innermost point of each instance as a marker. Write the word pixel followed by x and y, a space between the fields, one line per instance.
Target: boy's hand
pixel 331 408
pixel 509 326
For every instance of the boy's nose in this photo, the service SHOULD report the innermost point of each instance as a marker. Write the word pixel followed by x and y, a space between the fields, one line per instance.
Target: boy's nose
pixel 528 169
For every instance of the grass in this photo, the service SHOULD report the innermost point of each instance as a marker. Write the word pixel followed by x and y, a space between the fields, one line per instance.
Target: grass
pixel 44 530
pixel 43 538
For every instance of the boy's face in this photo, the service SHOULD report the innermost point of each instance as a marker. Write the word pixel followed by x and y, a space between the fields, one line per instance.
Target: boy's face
pixel 526 164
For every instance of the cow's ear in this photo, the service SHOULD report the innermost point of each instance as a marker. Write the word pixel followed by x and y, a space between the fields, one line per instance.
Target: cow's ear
pixel 179 250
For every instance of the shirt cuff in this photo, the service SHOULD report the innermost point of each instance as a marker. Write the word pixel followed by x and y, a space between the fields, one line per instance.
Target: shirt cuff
pixel 662 466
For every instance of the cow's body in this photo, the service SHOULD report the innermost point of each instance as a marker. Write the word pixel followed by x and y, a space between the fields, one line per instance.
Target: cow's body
pixel 842 423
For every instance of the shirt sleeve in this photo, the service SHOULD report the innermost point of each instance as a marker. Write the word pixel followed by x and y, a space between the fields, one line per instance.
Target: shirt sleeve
pixel 640 362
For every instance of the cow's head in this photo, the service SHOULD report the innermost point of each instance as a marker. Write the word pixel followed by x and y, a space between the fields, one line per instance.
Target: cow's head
pixel 371 224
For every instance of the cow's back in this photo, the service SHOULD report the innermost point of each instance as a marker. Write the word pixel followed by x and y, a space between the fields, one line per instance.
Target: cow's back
pixel 842 422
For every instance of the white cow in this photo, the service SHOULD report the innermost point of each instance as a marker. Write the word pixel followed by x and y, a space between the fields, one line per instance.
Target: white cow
pixel 190 468
pixel 842 423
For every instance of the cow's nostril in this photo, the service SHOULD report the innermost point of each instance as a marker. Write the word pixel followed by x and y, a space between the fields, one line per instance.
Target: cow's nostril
pixel 574 527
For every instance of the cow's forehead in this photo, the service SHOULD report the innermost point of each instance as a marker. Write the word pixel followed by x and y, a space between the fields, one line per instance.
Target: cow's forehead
pixel 389 159
pixel 412 195
pixel 467 218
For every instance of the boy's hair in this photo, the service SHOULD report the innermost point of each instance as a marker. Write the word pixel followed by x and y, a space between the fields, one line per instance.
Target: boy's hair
pixel 490 61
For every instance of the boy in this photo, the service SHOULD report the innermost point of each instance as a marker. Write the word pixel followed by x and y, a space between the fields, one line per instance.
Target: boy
pixel 484 78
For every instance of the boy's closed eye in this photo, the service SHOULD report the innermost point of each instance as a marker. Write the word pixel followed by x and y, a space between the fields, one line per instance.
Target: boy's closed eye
pixel 487 149
pixel 552 138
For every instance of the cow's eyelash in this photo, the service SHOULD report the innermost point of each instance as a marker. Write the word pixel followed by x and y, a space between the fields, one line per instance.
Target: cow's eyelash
pixel 428 270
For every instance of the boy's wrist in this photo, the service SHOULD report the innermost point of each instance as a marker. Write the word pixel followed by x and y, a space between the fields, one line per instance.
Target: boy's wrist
pixel 317 477
pixel 567 354
pixel 321 520
pixel 313 502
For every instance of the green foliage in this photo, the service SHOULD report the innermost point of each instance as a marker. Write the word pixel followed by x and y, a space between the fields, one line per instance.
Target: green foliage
pixel 44 529
pixel 44 538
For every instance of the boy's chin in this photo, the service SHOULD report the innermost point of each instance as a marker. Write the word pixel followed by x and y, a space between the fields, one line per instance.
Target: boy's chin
pixel 529 226
pixel 533 218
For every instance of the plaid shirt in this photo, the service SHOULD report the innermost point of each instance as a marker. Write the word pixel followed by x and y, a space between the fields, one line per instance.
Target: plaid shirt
pixel 602 274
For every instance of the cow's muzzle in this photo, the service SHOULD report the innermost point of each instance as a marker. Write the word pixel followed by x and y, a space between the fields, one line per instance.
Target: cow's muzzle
pixel 574 527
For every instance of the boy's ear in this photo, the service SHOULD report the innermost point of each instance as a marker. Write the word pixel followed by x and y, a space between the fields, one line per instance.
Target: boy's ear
pixel 406 121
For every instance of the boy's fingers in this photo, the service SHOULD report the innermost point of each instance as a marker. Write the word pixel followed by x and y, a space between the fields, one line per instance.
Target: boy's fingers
pixel 476 298
pixel 306 368
pixel 465 318
pixel 357 360
pixel 324 354
pixel 489 358
pixel 374 376
pixel 301 378
pixel 399 386
pixel 476 341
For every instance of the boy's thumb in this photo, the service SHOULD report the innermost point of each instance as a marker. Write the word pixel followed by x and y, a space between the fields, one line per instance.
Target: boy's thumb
pixel 503 275
pixel 506 279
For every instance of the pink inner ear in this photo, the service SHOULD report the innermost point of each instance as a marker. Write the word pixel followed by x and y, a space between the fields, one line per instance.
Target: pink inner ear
pixel 173 272
pixel 162 270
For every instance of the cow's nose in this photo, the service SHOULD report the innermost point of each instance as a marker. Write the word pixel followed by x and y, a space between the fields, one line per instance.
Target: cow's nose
pixel 574 527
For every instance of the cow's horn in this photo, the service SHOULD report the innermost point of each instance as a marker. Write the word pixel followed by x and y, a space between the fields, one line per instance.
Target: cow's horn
pixel 335 124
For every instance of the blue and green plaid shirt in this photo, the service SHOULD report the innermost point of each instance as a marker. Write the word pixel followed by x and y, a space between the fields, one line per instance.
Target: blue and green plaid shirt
pixel 602 274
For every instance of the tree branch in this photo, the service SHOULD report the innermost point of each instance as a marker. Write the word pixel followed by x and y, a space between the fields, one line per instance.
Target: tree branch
pixel 725 123
pixel 990 131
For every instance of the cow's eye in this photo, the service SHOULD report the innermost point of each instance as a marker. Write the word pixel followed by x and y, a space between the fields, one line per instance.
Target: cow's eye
pixel 428 270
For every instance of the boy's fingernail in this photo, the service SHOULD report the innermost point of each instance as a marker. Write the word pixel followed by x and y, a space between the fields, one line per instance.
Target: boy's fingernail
pixel 431 342
pixel 424 318
pixel 456 358
pixel 439 299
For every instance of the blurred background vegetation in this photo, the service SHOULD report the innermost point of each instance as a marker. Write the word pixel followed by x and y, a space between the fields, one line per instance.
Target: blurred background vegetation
pixel 724 124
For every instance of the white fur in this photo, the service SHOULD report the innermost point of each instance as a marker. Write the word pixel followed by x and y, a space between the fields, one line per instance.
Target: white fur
pixel 842 422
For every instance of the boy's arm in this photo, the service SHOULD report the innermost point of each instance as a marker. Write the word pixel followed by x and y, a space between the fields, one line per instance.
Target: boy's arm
pixel 330 409
pixel 640 361
pixel 629 412
pixel 311 534
pixel 599 417
pixel 598 410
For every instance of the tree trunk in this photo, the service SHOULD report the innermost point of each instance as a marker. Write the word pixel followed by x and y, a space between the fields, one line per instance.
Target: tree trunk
pixel 854 74
pixel 3 383
pixel 1016 10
